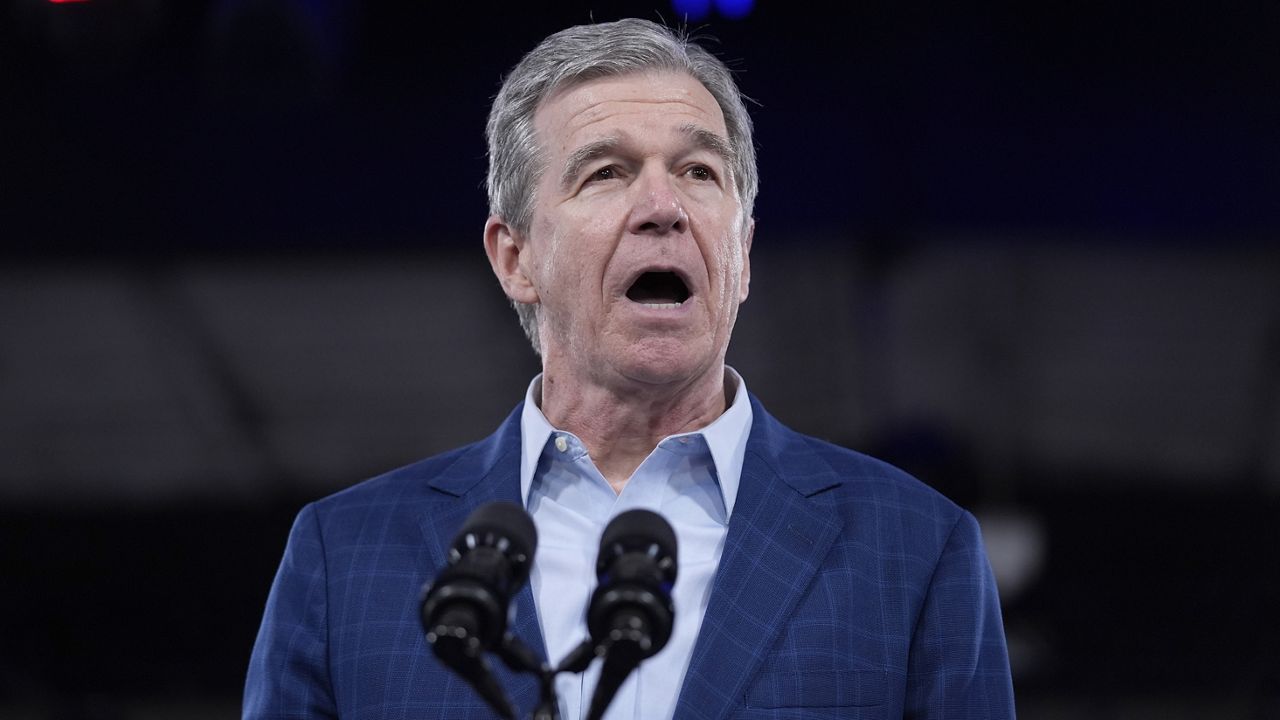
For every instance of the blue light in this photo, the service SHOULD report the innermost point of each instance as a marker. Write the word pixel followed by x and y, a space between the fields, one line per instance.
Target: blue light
pixel 735 9
pixel 691 10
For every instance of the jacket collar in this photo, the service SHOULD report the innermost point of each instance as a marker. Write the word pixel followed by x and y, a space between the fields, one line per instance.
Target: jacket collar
pixel 781 529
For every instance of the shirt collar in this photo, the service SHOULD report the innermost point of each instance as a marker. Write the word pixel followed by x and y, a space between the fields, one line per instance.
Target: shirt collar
pixel 726 438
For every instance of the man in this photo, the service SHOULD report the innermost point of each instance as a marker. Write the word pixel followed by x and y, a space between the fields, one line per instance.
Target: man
pixel 813 581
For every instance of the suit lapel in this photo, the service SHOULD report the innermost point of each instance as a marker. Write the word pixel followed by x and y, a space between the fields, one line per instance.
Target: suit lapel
pixel 779 533
pixel 488 472
pixel 778 537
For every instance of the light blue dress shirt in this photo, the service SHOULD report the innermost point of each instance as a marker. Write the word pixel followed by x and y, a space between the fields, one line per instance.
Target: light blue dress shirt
pixel 691 479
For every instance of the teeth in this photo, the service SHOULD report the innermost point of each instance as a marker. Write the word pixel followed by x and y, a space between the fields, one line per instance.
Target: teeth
pixel 662 306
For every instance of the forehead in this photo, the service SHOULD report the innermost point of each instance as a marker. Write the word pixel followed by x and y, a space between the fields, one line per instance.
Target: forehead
pixel 637 103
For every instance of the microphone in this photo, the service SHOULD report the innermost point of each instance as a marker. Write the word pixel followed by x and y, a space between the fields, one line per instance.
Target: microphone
pixel 630 615
pixel 464 611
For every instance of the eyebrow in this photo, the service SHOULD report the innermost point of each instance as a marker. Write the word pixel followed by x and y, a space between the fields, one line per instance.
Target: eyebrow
pixel 700 137
pixel 584 155
pixel 707 140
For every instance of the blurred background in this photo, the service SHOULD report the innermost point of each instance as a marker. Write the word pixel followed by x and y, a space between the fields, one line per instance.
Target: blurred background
pixel 1027 251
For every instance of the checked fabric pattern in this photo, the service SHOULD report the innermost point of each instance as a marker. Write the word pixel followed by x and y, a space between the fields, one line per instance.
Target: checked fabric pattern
pixel 847 589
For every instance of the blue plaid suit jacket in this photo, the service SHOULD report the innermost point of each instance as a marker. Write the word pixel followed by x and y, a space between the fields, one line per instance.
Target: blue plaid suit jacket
pixel 847 589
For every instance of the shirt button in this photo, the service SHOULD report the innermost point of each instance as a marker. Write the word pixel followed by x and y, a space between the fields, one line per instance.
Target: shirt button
pixel 561 444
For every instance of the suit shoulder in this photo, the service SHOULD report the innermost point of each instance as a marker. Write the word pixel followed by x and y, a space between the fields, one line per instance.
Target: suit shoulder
pixel 813 466
pixel 391 493
pixel 416 480
pixel 863 477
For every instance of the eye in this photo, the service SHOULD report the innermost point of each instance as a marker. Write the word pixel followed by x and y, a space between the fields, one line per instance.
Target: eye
pixel 701 173
pixel 609 172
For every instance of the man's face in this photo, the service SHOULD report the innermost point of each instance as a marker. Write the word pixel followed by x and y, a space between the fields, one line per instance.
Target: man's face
pixel 637 250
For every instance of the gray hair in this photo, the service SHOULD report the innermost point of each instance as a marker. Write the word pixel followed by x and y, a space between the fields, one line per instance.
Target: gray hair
pixel 580 54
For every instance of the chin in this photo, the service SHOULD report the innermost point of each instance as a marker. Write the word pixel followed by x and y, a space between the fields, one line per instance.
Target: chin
pixel 662 361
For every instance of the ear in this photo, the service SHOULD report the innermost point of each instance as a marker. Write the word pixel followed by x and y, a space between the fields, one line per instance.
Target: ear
pixel 503 244
pixel 744 284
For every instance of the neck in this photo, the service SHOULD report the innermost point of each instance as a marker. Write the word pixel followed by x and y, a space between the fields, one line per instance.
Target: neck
pixel 620 426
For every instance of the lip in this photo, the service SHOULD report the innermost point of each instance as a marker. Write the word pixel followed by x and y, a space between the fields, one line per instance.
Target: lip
pixel 663 319
pixel 656 316
pixel 678 272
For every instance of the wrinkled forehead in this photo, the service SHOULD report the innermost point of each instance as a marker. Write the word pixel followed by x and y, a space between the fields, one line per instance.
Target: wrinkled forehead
pixel 650 101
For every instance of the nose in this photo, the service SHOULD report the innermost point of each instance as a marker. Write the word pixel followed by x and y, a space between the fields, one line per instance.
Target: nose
pixel 657 208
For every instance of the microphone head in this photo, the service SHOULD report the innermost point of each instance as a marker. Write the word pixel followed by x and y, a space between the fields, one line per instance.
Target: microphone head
pixel 488 563
pixel 631 616
pixel 464 610
pixel 636 569
pixel 642 531
pixel 506 528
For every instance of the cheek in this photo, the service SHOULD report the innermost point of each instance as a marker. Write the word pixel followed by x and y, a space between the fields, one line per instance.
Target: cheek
pixel 733 277
pixel 729 260
pixel 571 263
pixel 733 251
pixel 585 245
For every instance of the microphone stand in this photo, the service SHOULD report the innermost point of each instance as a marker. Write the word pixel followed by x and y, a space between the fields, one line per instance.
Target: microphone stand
pixel 520 658
pixel 517 656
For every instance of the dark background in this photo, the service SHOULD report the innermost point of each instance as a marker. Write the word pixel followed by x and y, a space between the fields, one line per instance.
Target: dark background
pixel 1027 251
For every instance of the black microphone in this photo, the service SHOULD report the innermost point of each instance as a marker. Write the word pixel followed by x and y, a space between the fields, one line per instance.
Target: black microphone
pixel 630 615
pixel 464 611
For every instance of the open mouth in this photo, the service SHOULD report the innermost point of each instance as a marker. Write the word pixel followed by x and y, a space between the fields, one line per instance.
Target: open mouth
pixel 664 290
